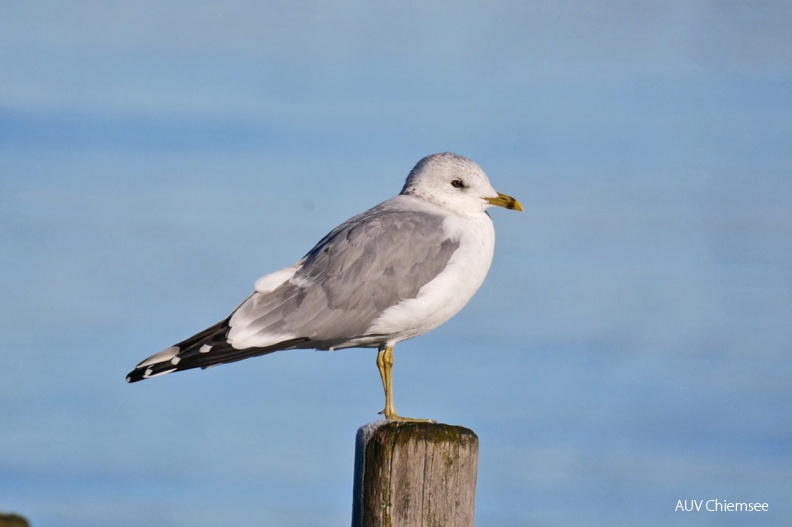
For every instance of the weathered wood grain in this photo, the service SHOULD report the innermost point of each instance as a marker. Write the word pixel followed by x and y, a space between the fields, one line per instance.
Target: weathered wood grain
pixel 415 475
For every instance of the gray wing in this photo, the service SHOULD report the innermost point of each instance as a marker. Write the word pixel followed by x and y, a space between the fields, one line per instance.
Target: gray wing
pixel 356 272
pixel 341 286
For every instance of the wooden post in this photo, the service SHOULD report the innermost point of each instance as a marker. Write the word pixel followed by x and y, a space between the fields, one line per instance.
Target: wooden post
pixel 12 520
pixel 414 475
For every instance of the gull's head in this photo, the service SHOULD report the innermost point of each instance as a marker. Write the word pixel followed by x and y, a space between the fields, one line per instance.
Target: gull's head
pixel 456 183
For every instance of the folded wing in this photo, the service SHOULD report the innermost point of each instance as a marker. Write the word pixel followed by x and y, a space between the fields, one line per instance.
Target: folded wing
pixel 335 293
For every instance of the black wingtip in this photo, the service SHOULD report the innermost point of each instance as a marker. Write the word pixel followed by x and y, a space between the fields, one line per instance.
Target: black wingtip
pixel 221 353
pixel 152 370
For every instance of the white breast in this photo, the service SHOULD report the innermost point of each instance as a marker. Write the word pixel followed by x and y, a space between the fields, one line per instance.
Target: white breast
pixel 452 289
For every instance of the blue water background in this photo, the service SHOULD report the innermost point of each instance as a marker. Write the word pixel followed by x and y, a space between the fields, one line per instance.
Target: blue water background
pixel 629 349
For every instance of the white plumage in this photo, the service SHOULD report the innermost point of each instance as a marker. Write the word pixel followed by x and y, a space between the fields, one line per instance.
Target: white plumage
pixel 388 274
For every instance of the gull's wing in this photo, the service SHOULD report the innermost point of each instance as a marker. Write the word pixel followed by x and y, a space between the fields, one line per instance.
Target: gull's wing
pixel 333 295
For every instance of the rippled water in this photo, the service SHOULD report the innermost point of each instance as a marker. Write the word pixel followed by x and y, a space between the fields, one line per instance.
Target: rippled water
pixel 630 348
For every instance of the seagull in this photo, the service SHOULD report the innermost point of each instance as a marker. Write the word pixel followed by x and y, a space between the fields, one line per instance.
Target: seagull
pixel 389 274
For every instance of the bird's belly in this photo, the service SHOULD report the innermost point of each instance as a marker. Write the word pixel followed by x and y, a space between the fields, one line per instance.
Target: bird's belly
pixel 444 296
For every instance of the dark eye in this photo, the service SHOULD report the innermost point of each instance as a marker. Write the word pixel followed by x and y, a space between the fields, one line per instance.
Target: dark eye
pixel 457 183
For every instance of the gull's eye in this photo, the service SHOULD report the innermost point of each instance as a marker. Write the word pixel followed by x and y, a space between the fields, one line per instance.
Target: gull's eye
pixel 457 183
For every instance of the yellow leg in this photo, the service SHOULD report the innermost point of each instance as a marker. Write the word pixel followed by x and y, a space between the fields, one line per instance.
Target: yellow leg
pixel 385 366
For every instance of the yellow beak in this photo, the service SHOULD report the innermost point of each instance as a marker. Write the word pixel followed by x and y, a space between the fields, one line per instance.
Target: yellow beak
pixel 505 201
